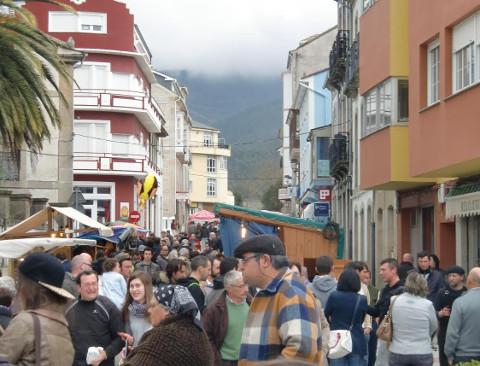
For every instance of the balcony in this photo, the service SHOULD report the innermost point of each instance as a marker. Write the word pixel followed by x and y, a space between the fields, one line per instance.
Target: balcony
pixel 351 80
pixel 385 162
pixel 141 45
pixel 123 101
pixel 338 154
pixel 111 164
pixel 294 139
pixel 219 149
pixel 338 60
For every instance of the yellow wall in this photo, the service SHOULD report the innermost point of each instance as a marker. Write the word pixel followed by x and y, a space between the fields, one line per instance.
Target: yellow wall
pixel 198 170
pixel 399 37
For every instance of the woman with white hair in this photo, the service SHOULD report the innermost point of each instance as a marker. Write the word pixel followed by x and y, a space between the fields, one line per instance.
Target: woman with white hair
pixel 414 321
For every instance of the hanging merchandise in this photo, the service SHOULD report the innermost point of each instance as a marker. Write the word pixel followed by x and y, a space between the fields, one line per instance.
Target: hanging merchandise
pixel 147 189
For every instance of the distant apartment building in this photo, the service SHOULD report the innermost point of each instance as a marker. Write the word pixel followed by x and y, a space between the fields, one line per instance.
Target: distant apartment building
pixel 209 168
pixel 171 97
pixel 117 123
pixel 306 128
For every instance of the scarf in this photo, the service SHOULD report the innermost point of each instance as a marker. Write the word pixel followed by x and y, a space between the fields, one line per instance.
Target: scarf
pixel 178 301
pixel 136 309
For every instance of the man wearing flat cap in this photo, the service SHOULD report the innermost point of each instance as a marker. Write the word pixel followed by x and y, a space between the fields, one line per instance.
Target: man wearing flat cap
pixel 283 321
pixel 443 305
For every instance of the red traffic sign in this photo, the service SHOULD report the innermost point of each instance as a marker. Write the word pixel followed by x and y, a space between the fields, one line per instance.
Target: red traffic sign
pixel 134 217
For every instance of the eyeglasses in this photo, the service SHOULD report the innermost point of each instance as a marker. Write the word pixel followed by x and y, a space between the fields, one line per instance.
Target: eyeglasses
pixel 243 285
pixel 246 259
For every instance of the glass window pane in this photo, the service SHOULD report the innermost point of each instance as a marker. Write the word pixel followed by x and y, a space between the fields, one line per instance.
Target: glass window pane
pixel 85 189
pixel 103 190
pixel 403 100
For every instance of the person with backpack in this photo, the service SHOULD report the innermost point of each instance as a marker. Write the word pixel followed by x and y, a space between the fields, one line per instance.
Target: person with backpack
pixel 201 268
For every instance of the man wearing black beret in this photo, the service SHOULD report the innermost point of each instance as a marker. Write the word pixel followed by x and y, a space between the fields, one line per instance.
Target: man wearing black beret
pixel 443 305
pixel 284 319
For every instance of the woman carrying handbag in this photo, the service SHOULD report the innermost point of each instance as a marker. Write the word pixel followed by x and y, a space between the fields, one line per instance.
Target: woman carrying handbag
pixel 345 310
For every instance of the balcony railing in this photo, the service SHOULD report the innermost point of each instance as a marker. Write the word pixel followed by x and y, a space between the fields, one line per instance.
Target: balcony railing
pixel 338 60
pixel 114 164
pixel 141 45
pixel 122 100
pixel 352 70
pixel 338 154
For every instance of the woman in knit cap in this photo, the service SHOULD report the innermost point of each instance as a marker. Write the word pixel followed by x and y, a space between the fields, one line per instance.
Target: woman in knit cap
pixel 39 334
pixel 177 337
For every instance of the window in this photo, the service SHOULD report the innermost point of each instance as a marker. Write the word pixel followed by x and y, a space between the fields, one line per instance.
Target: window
pixel 464 67
pixel 433 77
pixel 367 4
pixel 207 139
pixel 385 104
pixel 92 75
pixel 371 112
pixel 83 22
pixel 211 164
pixel 402 100
pixel 120 144
pixel 91 137
pixel 211 187
pixel 465 49
pixel 323 162
pixel 223 163
pixel 99 198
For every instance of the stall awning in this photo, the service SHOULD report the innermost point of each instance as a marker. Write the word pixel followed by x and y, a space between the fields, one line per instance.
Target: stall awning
pixel 463 201
pixel 16 248
pixel 38 219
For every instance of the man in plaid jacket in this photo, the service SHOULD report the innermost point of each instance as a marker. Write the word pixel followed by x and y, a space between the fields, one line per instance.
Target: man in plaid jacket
pixel 284 320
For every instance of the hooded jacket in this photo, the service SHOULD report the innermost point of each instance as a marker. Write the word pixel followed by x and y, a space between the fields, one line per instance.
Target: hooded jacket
pixel 322 287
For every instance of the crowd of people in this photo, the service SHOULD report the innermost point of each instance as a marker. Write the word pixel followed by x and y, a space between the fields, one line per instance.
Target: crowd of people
pixel 179 301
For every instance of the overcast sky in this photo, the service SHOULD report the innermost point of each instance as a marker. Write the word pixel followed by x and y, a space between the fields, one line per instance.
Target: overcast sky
pixel 229 36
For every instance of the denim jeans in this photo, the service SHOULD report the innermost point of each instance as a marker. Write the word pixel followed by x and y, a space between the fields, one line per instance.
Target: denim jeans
pixel 352 359
pixel 410 360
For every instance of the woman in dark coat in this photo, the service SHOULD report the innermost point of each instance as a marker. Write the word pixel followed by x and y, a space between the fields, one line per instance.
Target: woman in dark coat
pixel 343 308
pixel 177 337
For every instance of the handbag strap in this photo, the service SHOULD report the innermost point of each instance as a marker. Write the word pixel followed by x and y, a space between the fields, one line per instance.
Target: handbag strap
pixel 37 335
pixel 390 308
pixel 354 312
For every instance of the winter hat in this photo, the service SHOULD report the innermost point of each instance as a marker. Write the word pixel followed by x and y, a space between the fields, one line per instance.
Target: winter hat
pixel 47 271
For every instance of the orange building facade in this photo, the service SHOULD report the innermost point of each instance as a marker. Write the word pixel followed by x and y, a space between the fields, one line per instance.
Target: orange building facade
pixel 419 79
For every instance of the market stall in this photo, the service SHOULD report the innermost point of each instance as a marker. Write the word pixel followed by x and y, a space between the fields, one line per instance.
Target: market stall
pixel 305 240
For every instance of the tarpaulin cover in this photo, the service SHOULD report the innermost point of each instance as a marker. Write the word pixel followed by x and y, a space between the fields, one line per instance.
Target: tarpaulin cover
pixel 230 229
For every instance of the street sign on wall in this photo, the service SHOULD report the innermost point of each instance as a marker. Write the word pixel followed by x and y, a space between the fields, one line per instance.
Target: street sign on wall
pixel 134 217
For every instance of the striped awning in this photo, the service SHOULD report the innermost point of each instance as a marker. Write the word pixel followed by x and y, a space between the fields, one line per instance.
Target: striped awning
pixel 463 201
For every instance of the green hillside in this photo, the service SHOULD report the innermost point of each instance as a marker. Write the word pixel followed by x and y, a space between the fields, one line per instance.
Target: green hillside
pixel 248 112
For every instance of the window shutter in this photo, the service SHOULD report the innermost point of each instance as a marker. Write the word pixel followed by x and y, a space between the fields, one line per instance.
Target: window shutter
pixel 463 34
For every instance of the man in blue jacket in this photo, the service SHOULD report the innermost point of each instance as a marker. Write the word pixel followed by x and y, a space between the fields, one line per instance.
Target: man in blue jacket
pixel 434 278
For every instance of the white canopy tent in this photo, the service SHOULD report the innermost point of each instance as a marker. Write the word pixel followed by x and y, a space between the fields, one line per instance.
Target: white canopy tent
pixel 16 248
pixel 30 226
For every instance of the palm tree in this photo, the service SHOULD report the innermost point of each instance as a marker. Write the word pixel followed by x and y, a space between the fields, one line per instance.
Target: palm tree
pixel 27 58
